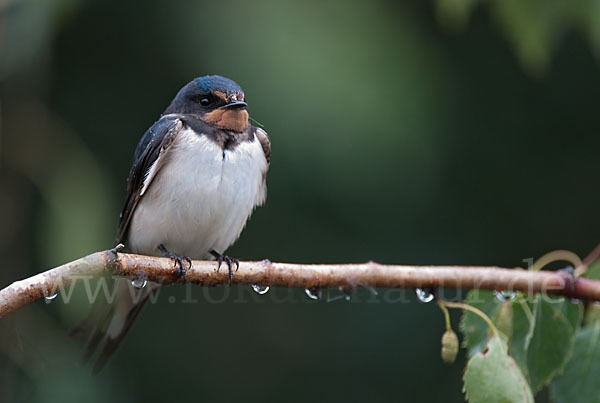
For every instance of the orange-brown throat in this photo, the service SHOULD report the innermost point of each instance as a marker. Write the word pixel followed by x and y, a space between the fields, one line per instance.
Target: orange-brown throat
pixel 235 119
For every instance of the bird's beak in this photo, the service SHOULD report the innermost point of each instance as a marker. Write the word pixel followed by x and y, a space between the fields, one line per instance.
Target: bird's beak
pixel 235 104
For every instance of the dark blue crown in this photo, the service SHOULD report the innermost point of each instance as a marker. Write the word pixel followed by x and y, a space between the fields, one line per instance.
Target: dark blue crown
pixel 209 84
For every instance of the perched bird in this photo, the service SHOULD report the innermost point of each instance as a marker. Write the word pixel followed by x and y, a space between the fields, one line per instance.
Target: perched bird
pixel 197 175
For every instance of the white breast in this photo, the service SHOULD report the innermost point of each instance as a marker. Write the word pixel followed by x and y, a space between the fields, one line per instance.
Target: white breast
pixel 200 199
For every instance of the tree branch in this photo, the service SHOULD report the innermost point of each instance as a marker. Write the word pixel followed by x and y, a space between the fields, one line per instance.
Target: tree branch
pixel 266 273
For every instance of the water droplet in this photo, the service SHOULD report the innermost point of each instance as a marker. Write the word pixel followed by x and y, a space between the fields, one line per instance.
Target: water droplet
pixel 424 295
pixel 313 293
pixel 260 289
pixel 51 297
pixel 139 283
pixel 504 296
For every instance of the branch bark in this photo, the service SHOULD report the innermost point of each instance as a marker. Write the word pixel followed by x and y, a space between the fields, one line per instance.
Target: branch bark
pixel 266 273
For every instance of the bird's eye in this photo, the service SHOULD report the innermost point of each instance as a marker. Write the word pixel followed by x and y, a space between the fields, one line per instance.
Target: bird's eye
pixel 204 102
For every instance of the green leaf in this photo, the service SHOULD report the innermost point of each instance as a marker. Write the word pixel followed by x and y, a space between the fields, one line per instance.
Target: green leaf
pixel 573 311
pixel 592 314
pixel 522 330
pixel 473 328
pixel 552 340
pixel 494 377
pixel 593 271
pixel 579 383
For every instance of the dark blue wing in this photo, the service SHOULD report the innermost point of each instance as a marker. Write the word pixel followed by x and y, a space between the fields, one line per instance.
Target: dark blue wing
pixel 156 140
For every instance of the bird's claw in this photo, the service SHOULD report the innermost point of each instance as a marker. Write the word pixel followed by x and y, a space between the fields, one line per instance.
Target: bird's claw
pixel 230 262
pixel 181 271
pixel 179 266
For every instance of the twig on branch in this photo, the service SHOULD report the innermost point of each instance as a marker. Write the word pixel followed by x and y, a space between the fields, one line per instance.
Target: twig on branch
pixel 266 273
pixel 589 259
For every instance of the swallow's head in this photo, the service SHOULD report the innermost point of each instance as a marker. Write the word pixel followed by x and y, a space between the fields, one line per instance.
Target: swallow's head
pixel 217 100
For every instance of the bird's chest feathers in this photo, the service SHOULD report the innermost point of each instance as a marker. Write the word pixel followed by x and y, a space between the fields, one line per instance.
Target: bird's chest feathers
pixel 201 197
pixel 199 171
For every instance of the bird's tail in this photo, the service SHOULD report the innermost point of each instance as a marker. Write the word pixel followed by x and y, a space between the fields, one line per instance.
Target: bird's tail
pixel 107 325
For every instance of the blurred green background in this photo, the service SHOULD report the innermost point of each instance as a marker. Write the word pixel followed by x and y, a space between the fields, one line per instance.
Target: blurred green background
pixel 410 132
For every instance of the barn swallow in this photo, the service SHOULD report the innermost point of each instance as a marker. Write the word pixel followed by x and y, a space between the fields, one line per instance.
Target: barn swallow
pixel 197 175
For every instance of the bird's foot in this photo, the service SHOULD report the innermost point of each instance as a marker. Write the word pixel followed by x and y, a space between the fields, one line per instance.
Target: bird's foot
pixel 178 260
pixel 230 262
